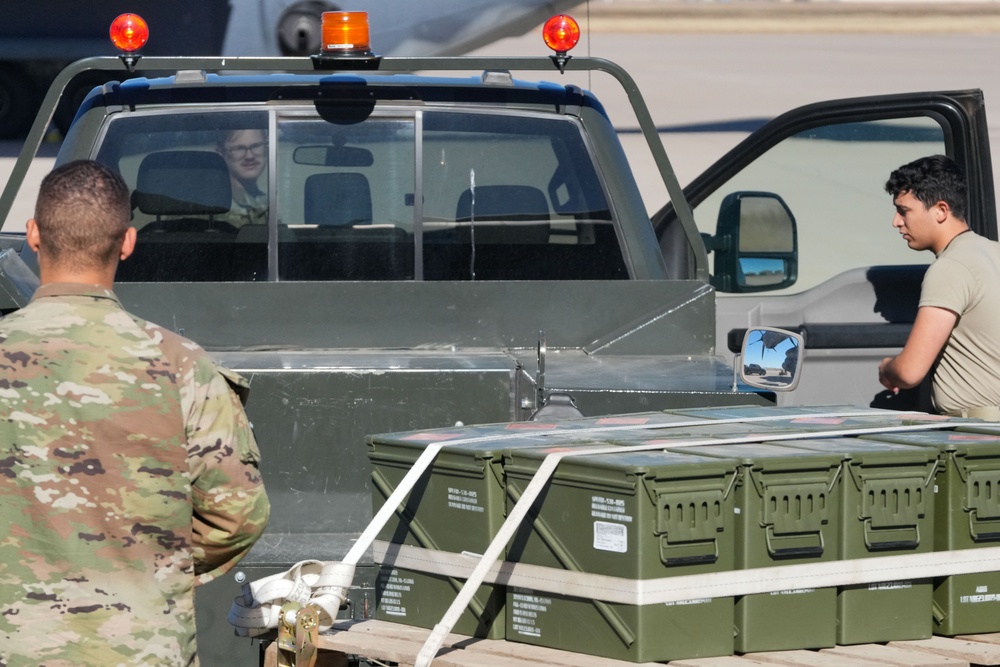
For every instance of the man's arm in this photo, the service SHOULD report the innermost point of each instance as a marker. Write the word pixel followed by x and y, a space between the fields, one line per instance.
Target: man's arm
pixel 230 505
pixel 927 338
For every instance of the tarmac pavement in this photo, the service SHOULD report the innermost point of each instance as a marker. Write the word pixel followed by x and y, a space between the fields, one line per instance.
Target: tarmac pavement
pixel 711 79
pixel 791 16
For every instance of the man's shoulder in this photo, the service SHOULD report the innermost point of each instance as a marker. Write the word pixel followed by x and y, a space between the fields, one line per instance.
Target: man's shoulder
pixel 185 351
pixel 969 252
pixel 47 316
pixel 968 240
pixel 171 342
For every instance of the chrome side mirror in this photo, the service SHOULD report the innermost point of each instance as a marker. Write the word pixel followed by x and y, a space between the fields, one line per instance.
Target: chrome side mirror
pixel 769 359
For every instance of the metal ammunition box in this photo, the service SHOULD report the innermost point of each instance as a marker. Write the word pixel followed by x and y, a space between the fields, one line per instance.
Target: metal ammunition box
pixel 967 516
pixel 457 507
pixel 633 515
pixel 886 508
pixel 787 506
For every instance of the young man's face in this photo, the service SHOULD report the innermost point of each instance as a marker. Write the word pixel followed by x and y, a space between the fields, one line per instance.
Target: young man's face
pixel 245 153
pixel 917 224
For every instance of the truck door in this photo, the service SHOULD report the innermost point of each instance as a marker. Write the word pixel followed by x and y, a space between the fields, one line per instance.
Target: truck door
pixel 839 274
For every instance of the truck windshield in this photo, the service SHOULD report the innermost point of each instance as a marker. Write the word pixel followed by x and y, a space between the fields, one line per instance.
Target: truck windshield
pixel 404 194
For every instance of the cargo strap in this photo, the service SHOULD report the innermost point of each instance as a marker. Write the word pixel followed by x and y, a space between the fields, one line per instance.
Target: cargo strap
pixel 318 584
pixel 547 468
pixel 258 610
pixel 689 587
pixel 324 583
pixel 298 630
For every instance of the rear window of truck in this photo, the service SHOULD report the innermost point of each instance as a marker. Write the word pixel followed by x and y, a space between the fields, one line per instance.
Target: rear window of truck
pixel 402 194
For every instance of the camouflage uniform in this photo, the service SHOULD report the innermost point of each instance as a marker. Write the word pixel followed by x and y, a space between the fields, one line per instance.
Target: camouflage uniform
pixel 252 212
pixel 128 471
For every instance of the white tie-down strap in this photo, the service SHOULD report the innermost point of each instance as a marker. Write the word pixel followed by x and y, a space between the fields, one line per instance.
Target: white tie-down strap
pixel 258 609
pixel 545 471
pixel 324 584
pixel 681 588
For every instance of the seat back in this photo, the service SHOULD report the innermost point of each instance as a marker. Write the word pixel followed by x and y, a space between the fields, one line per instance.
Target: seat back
pixel 183 183
pixel 338 199
pixel 184 190
pixel 509 213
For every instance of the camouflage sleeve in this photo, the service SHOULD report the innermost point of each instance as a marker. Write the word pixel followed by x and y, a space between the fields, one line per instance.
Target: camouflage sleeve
pixel 230 505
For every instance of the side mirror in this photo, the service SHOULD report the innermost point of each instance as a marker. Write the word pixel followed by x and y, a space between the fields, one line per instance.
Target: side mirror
pixel 755 244
pixel 769 359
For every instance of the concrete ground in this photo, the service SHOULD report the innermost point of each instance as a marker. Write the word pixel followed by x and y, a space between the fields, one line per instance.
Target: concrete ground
pixel 791 16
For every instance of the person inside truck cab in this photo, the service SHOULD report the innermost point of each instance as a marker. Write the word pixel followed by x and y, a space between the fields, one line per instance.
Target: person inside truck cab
pixel 954 334
pixel 245 153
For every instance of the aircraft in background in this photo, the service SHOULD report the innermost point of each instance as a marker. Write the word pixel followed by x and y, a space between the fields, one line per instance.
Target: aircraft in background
pixel 39 38
pixel 424 28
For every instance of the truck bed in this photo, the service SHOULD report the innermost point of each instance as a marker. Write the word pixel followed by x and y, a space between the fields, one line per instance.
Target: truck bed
pixel 395 643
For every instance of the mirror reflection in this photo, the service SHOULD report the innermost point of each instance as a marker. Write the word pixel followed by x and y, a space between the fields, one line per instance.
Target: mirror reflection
pixel 765 225
pixel 758 271
pixel 770 358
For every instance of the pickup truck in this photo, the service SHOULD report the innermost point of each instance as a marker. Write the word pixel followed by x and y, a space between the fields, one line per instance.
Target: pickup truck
pixel 446 248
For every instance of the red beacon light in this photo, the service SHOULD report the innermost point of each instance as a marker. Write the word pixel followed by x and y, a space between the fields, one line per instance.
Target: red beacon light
pixel 346 42
pixel 561 33
pixel 129 33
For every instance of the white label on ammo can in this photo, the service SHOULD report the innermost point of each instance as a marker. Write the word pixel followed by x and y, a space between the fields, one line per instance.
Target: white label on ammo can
pixel 609 508
pixel 982 595
pixel 889 585
pixel 528 607
pixel 610 537
pixel 464 499
pixel 396 586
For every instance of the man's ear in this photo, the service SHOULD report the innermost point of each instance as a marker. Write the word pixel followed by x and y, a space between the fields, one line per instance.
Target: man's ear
pixel 941 211
pixel 31 235
pixel 128 244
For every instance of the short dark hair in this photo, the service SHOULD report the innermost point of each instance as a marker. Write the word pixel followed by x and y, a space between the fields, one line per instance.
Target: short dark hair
pixel 932 179
pixel 83 210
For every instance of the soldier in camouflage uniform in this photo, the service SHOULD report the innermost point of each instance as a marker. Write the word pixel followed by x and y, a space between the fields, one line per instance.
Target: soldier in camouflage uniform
pixel 128 470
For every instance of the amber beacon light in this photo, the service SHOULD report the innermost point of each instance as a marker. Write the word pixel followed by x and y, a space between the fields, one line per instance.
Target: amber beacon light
pixel 561 33
pixel 346 41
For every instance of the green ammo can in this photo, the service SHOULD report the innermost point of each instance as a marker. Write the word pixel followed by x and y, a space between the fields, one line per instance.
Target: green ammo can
pixel 457 507
pixel 787 512
pixel 967 516
pixel 637 516
pixel 886 509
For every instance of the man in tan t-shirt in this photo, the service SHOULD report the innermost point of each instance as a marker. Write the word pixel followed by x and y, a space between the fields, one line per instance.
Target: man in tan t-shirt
pixel 954 335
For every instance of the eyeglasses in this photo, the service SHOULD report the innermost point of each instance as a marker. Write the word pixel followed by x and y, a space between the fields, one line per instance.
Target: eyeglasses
pixel 240 152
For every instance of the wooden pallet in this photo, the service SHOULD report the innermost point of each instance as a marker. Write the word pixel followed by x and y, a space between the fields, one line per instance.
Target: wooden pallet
pixel 399 644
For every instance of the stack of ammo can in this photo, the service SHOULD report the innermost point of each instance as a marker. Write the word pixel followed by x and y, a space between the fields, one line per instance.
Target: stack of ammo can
pixel 693 492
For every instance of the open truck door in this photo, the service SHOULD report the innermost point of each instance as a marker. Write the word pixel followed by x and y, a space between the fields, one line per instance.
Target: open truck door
pixel 798 228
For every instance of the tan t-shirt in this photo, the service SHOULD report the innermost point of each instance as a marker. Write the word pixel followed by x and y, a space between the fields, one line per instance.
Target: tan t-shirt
pixel 965 279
